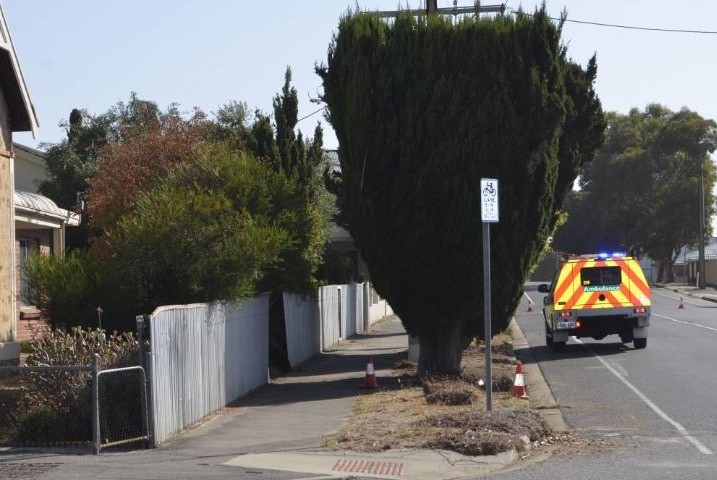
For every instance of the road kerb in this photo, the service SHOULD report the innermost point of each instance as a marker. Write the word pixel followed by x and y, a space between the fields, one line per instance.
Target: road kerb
pixel 541 398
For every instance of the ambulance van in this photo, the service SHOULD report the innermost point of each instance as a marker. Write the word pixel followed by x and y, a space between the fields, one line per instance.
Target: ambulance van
pixel 595 296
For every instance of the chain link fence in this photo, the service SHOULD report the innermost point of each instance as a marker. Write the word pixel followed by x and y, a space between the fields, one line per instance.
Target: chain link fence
pixel 110 409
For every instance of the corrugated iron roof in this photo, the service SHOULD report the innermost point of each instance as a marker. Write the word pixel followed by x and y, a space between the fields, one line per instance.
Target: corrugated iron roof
pixel 38 206
pixel 691 254
pixel 710 254
pixel 37 203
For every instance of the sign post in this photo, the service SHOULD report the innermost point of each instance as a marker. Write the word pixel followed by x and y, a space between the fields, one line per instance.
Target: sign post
pixel 489 214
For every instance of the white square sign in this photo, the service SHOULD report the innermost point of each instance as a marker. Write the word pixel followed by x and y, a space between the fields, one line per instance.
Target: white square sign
pixel 489 200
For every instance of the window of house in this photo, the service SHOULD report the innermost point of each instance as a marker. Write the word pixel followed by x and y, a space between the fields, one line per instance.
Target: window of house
pixel 27 247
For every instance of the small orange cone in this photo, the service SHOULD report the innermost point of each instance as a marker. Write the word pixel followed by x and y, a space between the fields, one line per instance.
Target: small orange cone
pixel 370 378
pixel 519 383
pixel 681 305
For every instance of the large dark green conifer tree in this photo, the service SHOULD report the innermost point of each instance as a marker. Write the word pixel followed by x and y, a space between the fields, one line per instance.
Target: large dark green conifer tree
pixel 423 108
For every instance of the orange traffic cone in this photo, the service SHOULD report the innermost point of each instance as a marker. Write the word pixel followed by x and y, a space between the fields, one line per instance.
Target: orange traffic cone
pixel 370 378
pixel 519 383
pixel 681 305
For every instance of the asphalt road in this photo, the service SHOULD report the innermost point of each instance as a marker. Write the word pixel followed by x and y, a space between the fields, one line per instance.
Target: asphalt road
pixel 657 407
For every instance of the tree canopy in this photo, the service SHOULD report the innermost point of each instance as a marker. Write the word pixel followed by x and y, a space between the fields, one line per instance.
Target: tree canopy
pixel 642 190
pixel 423 108
pixel 204 232
pixel 185 209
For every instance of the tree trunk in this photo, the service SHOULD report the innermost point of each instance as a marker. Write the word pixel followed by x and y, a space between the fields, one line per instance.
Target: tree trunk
pixel 661 272
pixel 669 273
pixel 441 352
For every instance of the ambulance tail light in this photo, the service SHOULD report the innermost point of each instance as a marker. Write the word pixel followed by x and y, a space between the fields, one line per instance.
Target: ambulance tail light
pixel 564 314
pixel 578 324
pixel 640 310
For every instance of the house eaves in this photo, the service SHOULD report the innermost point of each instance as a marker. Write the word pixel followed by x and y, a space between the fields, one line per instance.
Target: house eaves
pixel 36 210
pixel 12 83
pixel 35 156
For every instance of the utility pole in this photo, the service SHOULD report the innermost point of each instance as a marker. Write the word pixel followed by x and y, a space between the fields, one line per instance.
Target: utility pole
pixel 701 261
pixel 432 8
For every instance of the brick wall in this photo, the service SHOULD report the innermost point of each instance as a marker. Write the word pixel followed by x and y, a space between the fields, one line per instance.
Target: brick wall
pixel 31 325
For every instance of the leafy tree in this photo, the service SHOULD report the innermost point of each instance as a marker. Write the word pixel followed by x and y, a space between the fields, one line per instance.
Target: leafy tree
pixel 173 230
pixel 423 109
pixel 300 161
pixel 641 192
pixel 73 163
pixel 152 145
pixel 286 114
pixel 207 231
pixel 69 164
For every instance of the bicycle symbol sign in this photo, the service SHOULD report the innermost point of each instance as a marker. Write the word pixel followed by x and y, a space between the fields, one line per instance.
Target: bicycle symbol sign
pixel 489 199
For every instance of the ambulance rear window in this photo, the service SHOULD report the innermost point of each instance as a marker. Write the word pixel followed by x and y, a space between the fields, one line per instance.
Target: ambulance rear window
pixel 597 279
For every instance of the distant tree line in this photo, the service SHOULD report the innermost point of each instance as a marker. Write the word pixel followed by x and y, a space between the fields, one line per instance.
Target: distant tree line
pixel 641 192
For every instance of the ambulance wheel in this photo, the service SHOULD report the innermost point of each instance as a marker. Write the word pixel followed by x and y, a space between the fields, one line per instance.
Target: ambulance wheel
pixel 639 343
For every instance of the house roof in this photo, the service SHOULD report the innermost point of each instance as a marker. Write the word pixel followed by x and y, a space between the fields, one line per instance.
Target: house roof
pixel 36 209
pixel 710 254
pixel 12 83
pixel 692 254
pixel 32 152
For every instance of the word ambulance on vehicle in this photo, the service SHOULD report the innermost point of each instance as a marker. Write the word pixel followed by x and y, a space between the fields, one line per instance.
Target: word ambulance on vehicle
pixel 594 296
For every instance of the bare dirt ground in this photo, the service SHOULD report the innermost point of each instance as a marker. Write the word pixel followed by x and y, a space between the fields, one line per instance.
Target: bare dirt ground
pixel 406 411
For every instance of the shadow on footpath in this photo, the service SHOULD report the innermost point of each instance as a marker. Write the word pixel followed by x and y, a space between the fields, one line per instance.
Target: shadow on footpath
pixel 334 374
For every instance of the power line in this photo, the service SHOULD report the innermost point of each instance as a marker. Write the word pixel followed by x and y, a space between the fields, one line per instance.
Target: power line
pixel 312 113
pixel 454 10
pixel 649 29
pixel 629 27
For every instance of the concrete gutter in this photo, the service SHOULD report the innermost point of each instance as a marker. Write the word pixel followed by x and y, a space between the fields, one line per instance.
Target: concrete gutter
pixel 541 398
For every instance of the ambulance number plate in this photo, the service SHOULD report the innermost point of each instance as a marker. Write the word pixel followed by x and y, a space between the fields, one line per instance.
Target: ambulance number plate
pixel 566 324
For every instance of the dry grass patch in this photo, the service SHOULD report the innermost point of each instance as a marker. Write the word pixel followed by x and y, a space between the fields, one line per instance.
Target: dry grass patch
pixel 444 413
pixel 487 433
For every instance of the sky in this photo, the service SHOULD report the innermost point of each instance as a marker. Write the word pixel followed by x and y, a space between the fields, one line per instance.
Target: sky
pixel 92 54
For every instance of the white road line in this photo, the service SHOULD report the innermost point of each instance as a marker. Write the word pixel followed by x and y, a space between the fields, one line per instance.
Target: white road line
pixel 529 299
pixel 692 324
pixel 685 434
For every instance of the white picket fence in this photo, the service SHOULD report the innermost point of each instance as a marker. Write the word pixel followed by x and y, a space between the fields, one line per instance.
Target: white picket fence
pixel 205 356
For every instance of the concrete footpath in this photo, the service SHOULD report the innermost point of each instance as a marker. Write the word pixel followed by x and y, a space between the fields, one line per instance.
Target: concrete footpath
pixel 708 293
pixel 278 431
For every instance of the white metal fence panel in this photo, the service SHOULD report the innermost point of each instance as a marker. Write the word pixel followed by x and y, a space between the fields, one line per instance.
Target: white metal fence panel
pixel 330 312
pixel 301 314
pixel 354 308
pixel 203 357
pixel 379 310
